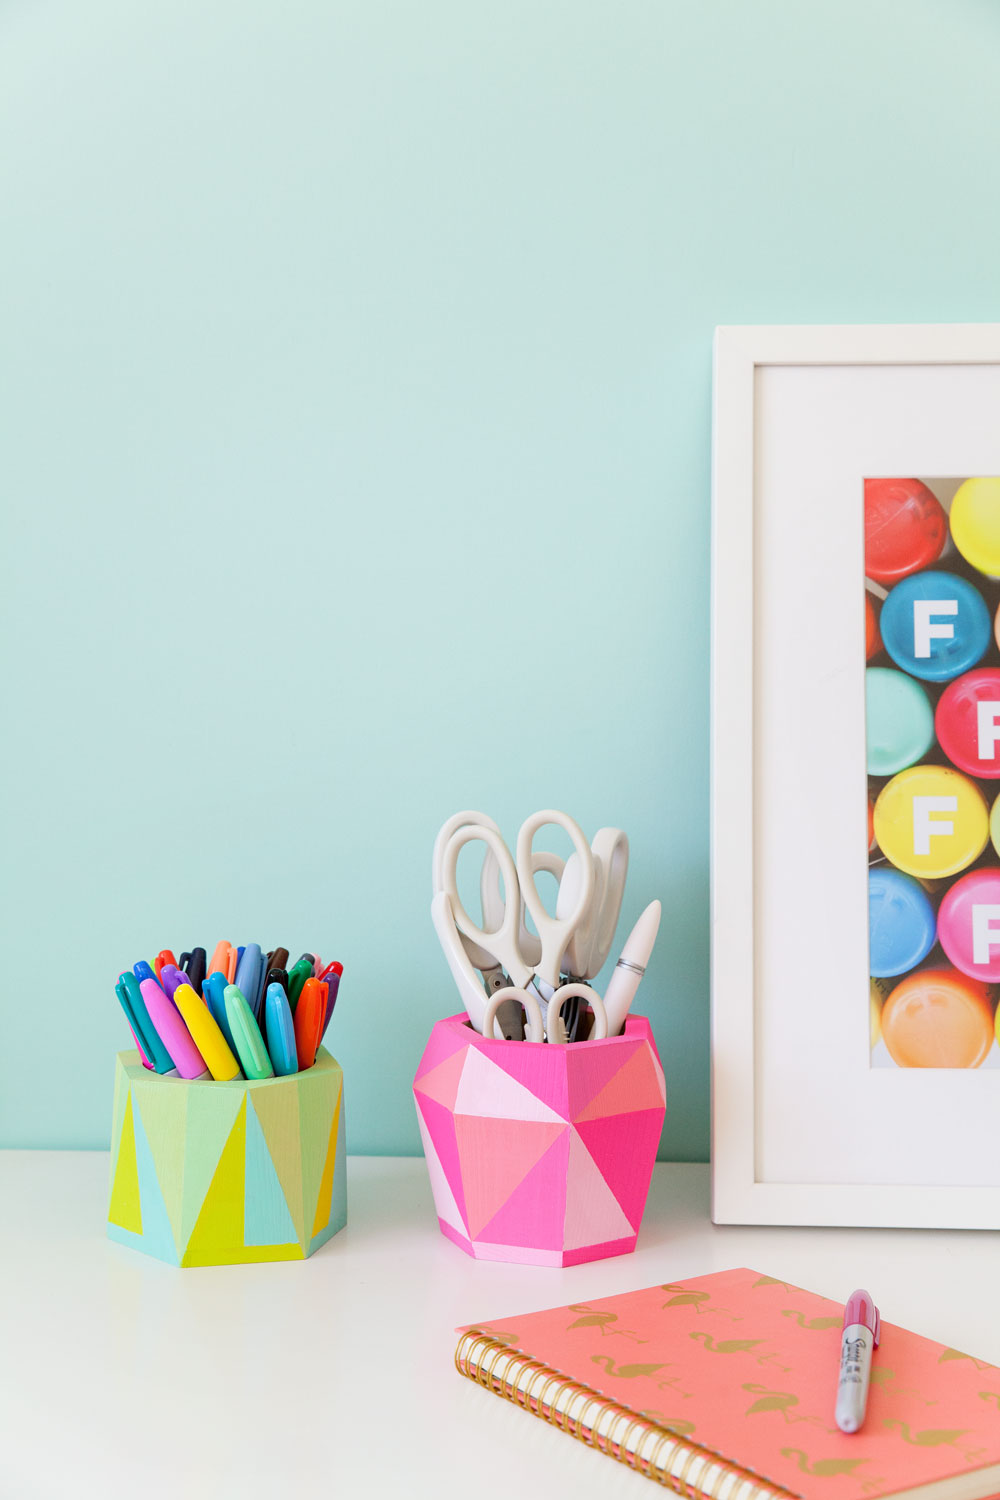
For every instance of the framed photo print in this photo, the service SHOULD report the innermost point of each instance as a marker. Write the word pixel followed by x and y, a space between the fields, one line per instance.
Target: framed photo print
pixel 856 776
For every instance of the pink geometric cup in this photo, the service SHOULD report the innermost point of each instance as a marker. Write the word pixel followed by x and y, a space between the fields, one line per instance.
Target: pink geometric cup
pixel 537 1153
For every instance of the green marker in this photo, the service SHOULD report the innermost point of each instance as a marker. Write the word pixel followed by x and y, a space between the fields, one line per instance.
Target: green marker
pixel 247 1039
pixel 297 976
pixel 899 721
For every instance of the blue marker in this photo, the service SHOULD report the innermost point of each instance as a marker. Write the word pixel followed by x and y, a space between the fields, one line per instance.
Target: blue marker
pixel 248 976
pixel 129 994
pixel 280 1031
pixel 935 625
pixel 213 992
pixel 902 927
pixel 142 970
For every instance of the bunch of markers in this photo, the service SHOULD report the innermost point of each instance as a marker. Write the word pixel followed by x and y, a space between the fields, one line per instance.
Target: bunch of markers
pixel 245 1014
pixel 932 604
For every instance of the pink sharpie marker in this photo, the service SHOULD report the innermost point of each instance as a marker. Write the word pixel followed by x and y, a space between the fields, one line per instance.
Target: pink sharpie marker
pixel 862 1329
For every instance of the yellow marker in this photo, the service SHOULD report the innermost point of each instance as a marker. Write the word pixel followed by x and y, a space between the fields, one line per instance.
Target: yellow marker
pixel 206 1035
pixel 975 523
pixel 931 821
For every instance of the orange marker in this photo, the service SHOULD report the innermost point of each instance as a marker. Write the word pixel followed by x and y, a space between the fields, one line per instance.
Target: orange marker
pixel 231 964
pixel 938 1018
pixel 310 1013
pixel 163 957
pixel 220 960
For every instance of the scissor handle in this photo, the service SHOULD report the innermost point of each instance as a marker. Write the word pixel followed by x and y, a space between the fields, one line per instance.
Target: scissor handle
pixel 500 944
pixel 554 1024
pixel 555 932
pixel 533 1029
pixel 591 943
pixel 480 958
pixel 492 901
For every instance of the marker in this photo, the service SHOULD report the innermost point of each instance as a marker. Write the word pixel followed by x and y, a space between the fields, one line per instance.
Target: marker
pixel 975 523
pixel 206 1035
pixel 142 971
pixel 278 959
pixel 931 821
pixel 967 721
pixel 280 1031
pixel 873 641
pixel 243 1028
pixel 133 1024
pixel 213 992
pixel 196 969
pixel 310 1014
pixel 249 976
pixel 220 958
pixel 902 928
pixel 899 721
pixel 276 976
pixel 969 924
pixel 297 976
pixel 935 625
pixel 172 1032
pixel 630 968
pixel 232 961
pixel 905 528
pixel 938 1018
pixel 313 960
pixel 163 957
pixel 331 976
pixel 861 1333
pixel 153 1047
pixel 171 977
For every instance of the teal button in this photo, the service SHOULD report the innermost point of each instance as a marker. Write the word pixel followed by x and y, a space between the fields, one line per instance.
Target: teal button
pixel 899 721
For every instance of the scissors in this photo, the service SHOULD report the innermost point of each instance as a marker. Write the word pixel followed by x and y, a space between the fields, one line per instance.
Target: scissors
pixel 588 949
pixel 502 943
pixel 554 1026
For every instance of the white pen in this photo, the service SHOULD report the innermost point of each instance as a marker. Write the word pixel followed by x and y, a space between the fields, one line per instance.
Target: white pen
pixel 862 1328
pixel 630 967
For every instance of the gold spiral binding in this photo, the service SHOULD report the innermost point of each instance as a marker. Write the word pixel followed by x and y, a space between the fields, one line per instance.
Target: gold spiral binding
pixel 607 1425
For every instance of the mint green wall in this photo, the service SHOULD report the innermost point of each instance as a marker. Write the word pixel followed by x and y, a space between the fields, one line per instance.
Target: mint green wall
pixel 355 411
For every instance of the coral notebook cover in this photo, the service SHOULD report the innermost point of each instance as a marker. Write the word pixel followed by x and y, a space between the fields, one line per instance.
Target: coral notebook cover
pixel 739 1370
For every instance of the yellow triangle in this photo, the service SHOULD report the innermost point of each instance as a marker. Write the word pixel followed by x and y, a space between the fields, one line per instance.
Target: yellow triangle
pixel 125 1209
pixel 218 1231
pixel 326 1182
pixel 277 1104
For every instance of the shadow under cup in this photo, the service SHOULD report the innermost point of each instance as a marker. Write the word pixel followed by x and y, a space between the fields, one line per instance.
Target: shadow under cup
pixel 540 1153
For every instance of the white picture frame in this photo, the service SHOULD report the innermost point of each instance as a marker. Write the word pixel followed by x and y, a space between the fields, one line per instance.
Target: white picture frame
pixel 804 1130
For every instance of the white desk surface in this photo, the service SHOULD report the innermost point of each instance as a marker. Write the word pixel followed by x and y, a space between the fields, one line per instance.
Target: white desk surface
pixel 120 1376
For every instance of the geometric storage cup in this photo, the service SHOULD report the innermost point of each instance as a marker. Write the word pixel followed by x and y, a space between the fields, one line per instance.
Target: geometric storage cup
pixel 212 1174
pixel 537 1153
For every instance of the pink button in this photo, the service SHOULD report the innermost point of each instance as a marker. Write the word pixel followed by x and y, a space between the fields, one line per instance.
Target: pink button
pixel 967 722
pixel 969 924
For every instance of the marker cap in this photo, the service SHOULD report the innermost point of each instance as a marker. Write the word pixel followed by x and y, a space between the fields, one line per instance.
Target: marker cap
pixel 873 641
pixel 969 924
pixel 967 721
pixel 902 928
pixel 975 523
pixel 935 625
pixel 905 528
pixel 859 1308
pixel 899 721
pixel 938 1018
pixel 931 821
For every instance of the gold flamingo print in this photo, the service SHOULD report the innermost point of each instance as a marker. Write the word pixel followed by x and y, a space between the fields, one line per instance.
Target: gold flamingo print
pixel 507 1339
pixel 624 1372
pixel 591 1319
pixel 684 1298
pixel 773 1281
pixel 736 1346
pixel 980 1364
pixel 824 1467
pixel 780 1401
pixel 672 1424
pixel 993 1396
pixel 884 1378
pixel 930 1437
pixel 804 1322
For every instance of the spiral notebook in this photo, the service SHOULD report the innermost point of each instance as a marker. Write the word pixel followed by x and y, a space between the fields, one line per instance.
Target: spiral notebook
pixel 723 1387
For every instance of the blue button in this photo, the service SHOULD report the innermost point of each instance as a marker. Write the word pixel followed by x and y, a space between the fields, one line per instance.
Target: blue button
pixel 902 927
pixel 935 625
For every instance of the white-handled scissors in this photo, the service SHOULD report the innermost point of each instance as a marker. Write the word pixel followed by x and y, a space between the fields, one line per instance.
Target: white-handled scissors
pixel 591 943
pixel 554 1027
pixel 502 942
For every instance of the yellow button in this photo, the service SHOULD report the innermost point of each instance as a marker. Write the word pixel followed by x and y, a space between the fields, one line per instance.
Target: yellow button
pixel 975 523
pixel 931 821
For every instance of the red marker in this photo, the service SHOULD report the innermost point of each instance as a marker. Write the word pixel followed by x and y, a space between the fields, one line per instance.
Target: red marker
pixel 162 958
pixel 905 528
pixel 873 641
pixel 967 722
pixel 310 1014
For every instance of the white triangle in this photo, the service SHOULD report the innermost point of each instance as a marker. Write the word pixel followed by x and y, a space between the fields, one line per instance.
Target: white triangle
pixel 593 1213
pixel 444 1198
pixel 486 1090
